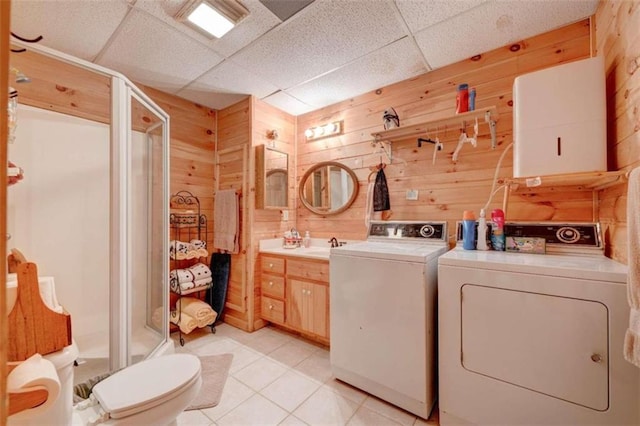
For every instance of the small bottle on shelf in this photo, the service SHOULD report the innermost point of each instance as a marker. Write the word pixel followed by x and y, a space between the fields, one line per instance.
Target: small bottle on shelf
pixel 306 241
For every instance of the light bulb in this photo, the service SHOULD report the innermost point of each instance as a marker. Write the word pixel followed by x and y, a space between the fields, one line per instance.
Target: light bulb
pixel 308 133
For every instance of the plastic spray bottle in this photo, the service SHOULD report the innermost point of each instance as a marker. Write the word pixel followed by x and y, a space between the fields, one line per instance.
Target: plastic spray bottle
pixel 482 232
pixel 468 230
pixel 497 230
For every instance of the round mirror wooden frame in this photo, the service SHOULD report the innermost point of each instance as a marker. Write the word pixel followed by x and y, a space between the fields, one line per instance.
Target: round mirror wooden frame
pixel 311 173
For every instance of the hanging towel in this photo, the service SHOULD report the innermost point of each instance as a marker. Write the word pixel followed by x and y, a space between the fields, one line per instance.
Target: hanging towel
pixel 632 337
pixel 217 295
pixel 226 222
pixel 368 207
pixel 381 192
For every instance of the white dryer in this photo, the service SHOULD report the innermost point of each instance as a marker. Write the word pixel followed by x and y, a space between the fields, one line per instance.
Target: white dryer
pixel 383 313
pixel 536 338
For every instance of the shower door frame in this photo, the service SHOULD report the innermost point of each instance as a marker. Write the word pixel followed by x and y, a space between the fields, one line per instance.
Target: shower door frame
pixel 120 268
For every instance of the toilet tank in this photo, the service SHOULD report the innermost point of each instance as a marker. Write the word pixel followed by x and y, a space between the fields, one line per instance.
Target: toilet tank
pixel 559 120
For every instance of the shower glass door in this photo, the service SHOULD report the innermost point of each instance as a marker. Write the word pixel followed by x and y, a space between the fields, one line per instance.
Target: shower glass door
pixel 148 317
pixel 139 240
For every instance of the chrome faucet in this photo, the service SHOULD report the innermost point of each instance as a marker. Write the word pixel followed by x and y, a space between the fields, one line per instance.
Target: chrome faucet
pixel 334 242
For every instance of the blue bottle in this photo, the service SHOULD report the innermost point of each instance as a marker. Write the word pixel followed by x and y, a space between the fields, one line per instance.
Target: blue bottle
pixel 468 230
pixel 472 99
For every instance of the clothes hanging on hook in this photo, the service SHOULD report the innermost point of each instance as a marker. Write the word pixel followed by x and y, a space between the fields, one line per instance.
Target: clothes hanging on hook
pixel 381 192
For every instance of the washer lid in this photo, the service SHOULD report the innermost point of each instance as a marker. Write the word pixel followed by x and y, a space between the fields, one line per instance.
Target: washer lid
pixel 403 251
pixel 146 384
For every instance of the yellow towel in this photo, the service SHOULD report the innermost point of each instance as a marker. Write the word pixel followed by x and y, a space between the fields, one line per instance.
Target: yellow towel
pixel 186 323
pixel 207 319
pixel 632 337
pixel 226 221
pixel 197 309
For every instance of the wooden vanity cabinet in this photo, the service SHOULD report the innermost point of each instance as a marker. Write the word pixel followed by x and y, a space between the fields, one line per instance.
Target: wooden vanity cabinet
pixel 295 294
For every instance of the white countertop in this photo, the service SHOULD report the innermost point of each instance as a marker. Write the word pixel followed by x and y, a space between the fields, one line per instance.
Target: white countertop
pixel 319 249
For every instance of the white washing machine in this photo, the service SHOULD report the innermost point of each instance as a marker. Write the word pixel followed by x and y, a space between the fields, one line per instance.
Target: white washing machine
pixel 536 338
pixel 383 312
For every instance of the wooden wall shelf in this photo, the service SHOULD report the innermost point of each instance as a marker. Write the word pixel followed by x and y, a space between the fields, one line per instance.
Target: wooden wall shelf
pixel 421 129
pixel 591 181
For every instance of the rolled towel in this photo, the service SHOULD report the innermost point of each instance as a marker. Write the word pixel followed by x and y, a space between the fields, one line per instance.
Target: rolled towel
pixel 178 249
pixel 205 282
pixel 183 320
pixel 180 280
pixel 195 307
pixel 198 244
pixel 200 271
pixel 208 319
pixel 186 286
pixel 182 275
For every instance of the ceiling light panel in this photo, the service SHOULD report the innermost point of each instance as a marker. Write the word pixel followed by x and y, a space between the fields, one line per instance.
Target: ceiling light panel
pixel 213 18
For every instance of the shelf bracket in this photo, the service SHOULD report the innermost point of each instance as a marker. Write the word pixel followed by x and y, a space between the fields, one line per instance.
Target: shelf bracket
pixel 492 128
pixel 387 151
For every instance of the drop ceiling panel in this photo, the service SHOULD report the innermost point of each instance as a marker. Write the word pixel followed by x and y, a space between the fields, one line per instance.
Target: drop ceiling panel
pixel 79 28
pixel 228 77
pixel 325 35
pixel 259 21
pixel 151 52
pixel 288 103
pixel 495 24
pixel 210 99
pixel 420 14
pixel 395 62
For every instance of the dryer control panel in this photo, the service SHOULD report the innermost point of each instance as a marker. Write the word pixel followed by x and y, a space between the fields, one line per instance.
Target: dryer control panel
pixel 408 230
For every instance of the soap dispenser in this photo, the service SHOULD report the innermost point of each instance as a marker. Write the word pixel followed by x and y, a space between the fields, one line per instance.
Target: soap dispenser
pixel 306 241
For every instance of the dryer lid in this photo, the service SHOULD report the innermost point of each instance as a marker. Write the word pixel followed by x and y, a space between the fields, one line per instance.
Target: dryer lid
pixel 146 384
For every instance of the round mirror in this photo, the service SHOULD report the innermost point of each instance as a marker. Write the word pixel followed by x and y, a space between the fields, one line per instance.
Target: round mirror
pixel 328 188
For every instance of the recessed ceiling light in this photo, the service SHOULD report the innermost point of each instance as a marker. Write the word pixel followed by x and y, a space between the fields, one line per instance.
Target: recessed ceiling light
pixel 214 18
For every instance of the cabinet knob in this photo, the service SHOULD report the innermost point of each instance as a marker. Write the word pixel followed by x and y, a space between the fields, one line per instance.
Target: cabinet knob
pixel 596 358
pixel 270 307
pixel 270 283
pixel 271 265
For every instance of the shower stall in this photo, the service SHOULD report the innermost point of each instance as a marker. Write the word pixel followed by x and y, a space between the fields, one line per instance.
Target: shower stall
pixel 92 212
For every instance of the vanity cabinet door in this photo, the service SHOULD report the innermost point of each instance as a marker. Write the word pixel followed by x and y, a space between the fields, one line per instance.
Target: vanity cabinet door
pixel 308 307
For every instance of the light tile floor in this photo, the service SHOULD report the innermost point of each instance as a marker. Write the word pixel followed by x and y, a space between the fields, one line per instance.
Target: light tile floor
pixel 277 378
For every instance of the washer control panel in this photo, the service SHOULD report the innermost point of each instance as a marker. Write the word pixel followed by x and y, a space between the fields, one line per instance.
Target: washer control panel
pixel 408 230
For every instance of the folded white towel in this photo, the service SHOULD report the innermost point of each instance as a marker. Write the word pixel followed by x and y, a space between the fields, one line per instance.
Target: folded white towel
pixel 226 221
pixel 632 337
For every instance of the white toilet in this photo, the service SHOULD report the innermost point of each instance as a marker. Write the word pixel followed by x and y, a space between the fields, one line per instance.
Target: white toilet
pixel 151 392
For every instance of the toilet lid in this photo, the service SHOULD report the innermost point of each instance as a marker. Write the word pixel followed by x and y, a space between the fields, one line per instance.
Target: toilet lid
pixel 146 384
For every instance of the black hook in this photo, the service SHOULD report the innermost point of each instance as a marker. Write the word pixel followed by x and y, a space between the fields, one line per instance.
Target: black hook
pixel 27 40
pixel 428 140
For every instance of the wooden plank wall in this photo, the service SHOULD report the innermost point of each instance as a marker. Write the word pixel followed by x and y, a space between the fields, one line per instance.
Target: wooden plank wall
pixel 446 189
pixel 233 171
pixel 267 223
pixel 618 39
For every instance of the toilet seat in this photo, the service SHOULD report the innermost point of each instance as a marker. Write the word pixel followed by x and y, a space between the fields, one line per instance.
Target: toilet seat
pixel 147 384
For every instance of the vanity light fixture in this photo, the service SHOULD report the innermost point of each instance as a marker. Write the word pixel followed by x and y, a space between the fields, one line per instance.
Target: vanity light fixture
pixel 326 130
pixel 213 18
